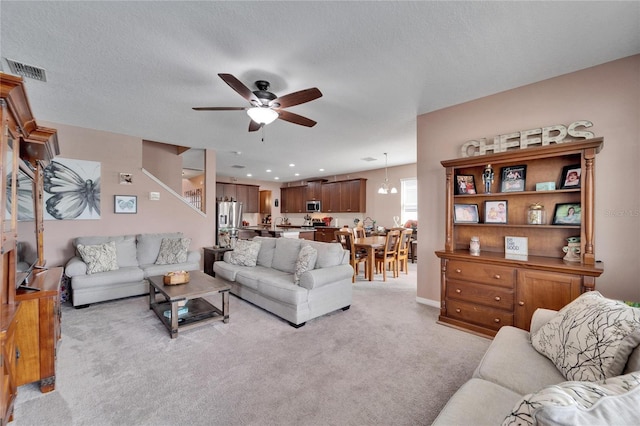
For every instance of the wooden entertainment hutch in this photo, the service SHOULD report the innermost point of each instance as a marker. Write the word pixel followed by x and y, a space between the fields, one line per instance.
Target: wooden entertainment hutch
pixel 29 318
pixel 481 293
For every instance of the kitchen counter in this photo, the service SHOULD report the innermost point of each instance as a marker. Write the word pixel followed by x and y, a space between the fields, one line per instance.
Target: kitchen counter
pixel 248 232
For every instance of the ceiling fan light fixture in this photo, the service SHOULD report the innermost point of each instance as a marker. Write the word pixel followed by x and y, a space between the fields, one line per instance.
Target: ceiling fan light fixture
pixel 262 115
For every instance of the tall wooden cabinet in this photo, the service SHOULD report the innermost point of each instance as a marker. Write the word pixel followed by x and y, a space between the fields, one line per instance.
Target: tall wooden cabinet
pixel 21 140
pixel 481 293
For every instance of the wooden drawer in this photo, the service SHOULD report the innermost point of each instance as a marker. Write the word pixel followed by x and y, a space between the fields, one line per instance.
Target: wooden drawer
pixel 477 314
pixel 497 297
pixel 503 276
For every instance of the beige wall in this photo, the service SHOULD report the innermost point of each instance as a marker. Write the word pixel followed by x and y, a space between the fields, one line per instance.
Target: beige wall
pixel 607 95
pixel 119 153
pixel 164 163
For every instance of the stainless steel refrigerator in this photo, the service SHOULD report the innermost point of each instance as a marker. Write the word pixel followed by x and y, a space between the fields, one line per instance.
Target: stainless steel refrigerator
pixel 229 214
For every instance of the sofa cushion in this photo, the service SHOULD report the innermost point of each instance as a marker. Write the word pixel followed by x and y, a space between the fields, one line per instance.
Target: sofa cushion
pixel 125 247
pixel 591 338
pixel 173 250
pixel 282 289
pixel 612 401
pixel 477 402
pixel 267 249
pixel 129 274
pixel 329 254
pixel 251 277
pixel 306 261
pixel 245 253
pixel 99 257
pixel 148 246
pixel 510 361
pixel 286 254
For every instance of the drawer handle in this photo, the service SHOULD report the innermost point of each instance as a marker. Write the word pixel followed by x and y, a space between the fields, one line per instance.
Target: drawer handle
pixel 521 303
pixel 497 320
pixel 496 276
pixel 458 270
pixel 458 291
pixel 458 310
pixel 497 298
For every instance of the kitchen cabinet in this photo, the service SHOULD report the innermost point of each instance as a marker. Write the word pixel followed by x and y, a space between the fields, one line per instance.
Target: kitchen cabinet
pixel 325 234
pixel 248 195
pixel 353 195
pixel 484 292
pixel 313 191
pixel 265 202
pixel 292 199
pixel 331 197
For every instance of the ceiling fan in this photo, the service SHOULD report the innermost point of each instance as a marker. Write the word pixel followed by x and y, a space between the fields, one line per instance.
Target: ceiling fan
pixel 265 106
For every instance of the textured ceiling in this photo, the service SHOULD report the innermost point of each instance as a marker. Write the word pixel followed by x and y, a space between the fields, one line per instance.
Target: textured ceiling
pixel 137 68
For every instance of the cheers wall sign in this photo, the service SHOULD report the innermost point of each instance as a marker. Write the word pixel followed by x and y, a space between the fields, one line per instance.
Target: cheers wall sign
pixel 524 138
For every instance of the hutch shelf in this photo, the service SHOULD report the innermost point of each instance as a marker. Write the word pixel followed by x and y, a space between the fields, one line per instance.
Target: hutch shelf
pixel 481 293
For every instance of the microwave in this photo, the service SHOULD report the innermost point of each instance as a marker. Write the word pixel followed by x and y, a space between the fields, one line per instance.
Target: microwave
pixel 313 206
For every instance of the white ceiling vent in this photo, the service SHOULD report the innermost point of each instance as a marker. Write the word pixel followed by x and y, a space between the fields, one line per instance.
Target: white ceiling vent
pixel 237 166
pixel 25 70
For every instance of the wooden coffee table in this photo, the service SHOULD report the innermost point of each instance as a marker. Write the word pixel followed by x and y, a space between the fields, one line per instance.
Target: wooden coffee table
pixel 191 294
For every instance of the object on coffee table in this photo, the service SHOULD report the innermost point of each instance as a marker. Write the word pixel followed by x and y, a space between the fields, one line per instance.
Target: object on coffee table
pixel 176 277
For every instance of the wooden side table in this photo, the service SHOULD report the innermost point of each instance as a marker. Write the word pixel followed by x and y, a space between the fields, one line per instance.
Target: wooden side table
pixel 211 255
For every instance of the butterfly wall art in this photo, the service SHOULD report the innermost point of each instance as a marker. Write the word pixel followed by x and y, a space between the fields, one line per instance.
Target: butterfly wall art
pixel 72 189
pixel 125 204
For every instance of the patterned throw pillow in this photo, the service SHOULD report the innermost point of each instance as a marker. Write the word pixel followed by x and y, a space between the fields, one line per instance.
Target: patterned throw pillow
pixel 173 250
pixel 99 257
pixel 306 261
pixel 612 401
pixel 245 253
pixel 590 338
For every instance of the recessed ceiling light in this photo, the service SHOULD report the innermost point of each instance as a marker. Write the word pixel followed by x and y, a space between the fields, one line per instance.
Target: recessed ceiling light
pixel 237 152
pixel 249 175
pixel 276 178
pixel 292 165
pixel 322 170
pixel 296 174
pixel 268 170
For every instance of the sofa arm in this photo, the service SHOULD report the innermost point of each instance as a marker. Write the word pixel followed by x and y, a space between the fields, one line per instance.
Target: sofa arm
pixel 193 256
pixel 75 267
pixel 540 317
pixel 322 276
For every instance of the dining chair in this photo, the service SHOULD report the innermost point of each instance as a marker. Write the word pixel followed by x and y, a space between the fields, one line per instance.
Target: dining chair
pixel 388 256
pixel 403 250
pixel 355 257
pixel 359 232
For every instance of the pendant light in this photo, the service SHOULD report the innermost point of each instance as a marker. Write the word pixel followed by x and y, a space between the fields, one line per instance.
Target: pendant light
pixel 384 188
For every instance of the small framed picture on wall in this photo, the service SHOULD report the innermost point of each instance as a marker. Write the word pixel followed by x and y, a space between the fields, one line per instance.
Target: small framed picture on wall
pixel 125 204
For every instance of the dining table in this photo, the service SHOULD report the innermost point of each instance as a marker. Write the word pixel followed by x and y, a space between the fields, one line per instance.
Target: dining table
pixel 370 244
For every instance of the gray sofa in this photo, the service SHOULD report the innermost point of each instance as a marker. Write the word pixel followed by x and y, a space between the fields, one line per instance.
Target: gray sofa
pixel 270 283
pixel 512 368
pixel 135 255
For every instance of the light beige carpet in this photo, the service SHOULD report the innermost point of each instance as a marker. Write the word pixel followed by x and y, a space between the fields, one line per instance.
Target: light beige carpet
pixel 383 362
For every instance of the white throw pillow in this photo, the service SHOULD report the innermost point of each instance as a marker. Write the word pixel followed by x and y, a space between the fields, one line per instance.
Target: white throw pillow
pixel 590 338
pixel 612 401
pixel 245 253
pixel 173 250
pixel 99 257
pixel 306 261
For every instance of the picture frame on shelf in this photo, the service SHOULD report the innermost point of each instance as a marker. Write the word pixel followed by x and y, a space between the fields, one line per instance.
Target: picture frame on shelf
pixel 571 177
pixel 495 211
pixel 125 204
pixel 465 184
pixel 513 178
pixel 465 213
pixel 567 214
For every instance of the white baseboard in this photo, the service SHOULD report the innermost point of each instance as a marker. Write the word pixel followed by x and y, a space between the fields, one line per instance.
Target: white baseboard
pixel 428 302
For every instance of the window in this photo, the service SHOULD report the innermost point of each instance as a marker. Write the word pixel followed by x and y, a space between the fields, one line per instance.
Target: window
pixel 409 193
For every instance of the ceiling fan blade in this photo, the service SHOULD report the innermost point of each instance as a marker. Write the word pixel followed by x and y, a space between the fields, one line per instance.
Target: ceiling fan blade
pixel 296 119
pixel 220 108
pixel 297 98
pixel 253 126
pixel 239 87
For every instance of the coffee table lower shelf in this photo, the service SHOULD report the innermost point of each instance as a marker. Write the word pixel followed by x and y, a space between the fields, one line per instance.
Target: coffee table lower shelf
pixel 200 312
